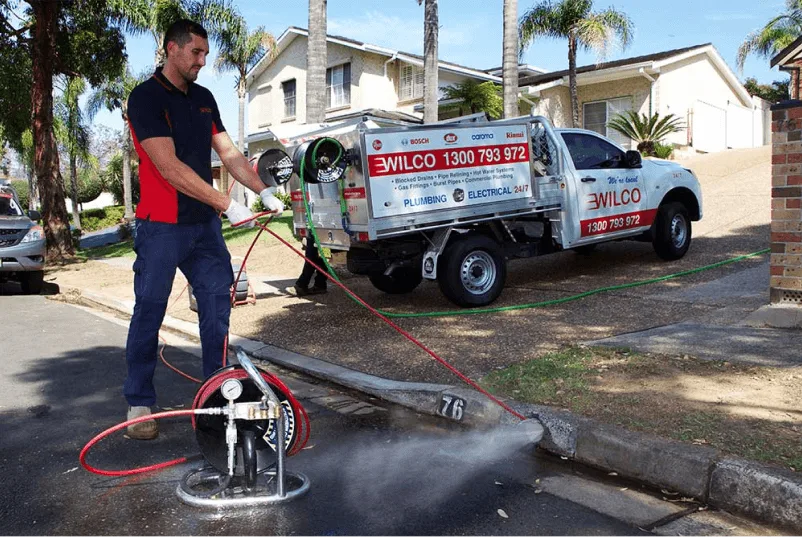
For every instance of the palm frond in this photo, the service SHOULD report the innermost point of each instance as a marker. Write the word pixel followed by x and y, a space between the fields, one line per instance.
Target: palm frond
pixel 600 31
pixel 542 20
pixel 777 34
pixel 642 128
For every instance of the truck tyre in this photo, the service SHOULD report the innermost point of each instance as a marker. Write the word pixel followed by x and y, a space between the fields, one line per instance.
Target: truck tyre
pixel 672 231
pixel 401 280
pixel 472 271
pixel 31 282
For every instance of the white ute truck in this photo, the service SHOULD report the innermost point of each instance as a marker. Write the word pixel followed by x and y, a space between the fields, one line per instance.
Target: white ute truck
pixel 453 202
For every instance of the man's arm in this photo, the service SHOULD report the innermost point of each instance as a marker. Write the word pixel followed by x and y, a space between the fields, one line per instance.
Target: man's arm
pixel 236 163
pixel 161 151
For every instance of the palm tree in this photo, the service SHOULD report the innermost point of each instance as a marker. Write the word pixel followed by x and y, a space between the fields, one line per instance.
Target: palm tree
pixel 574 20
pixel 431 29
pixel 509 62
pixel 473 97
pixel 239 51
pixel 316 63
pixel 777 34
pixel 155 16
pixel 113 95
pixel 646 131
pixel 72 131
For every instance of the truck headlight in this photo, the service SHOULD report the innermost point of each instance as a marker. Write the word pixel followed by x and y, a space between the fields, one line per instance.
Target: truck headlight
pixel 36 233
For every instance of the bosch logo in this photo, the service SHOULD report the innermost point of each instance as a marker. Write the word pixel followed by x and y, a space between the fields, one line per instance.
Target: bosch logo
pixel 515 135
pixel 485 136
pixel 377 144
pixel 405 142
pixel 451 138
pixel 419 141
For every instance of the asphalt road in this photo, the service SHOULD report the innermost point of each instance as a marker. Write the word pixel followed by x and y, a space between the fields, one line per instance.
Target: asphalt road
pixel 374 468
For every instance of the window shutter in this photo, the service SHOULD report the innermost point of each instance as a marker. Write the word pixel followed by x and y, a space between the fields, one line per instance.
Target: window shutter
pixel 419 78
pixel 347 83
pixel 328 88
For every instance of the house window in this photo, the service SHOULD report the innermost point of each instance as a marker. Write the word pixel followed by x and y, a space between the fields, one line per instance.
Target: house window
pixel 410 85
pixel 288 88
pixel 338 86
pixel 595 117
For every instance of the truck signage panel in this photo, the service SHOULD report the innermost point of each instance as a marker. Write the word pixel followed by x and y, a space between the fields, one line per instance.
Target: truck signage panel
pixel 412 172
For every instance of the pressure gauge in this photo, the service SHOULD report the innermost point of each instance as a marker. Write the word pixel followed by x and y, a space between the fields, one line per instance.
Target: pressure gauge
pixel 231 389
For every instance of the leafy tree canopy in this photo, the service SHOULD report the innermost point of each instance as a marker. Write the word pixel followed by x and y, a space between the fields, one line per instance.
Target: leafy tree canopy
pixel 775 92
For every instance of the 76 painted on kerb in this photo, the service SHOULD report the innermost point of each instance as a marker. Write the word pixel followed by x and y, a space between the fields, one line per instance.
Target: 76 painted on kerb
pixel 451 407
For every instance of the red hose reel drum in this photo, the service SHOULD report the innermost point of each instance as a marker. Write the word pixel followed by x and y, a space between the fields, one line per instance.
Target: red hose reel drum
pixel 210 430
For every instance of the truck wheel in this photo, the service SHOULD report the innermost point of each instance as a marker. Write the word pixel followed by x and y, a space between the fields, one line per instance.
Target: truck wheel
pixel 401 280
pixel 31 282
pixel 672 232
pixel 472 271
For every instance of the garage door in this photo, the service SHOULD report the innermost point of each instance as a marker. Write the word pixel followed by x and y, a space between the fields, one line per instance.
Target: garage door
pixel 709 127
pixel 739 126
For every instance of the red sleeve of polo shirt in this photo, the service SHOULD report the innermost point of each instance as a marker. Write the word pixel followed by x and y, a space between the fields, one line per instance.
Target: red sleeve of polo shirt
pixel 147 116
pixel 217 123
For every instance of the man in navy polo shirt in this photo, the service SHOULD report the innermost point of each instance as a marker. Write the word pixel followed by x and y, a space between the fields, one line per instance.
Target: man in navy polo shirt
pixel 175 123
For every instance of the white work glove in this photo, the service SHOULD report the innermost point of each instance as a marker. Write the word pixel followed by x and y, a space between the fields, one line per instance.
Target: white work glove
pixel 271 202
pixel 238 213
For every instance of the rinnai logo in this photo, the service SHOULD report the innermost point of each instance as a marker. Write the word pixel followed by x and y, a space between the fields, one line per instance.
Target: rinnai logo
pixel 483 136
pixel 451 138
pixel 515 135
pixel 377 144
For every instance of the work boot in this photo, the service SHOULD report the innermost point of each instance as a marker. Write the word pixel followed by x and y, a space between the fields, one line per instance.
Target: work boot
pixel 144 430
pixel 316 290
pixel 300 291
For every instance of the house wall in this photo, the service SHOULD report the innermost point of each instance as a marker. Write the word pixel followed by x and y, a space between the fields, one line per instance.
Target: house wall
pixel 369 87
pixel 684 83
pixel 555 104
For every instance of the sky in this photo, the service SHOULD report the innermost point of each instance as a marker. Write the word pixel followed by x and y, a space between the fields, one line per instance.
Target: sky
pixel 471 35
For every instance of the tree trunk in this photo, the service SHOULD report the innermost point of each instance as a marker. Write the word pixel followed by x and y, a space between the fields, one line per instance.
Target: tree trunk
pixel 316 63
pixel 430 67
pixel 128 195
pixel 76 215
pixel 509 62
pixel 572 80
pixel 238 192
pixel 46 161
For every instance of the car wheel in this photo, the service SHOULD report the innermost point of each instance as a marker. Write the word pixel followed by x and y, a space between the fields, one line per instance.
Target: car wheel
pixel 400 281
pixel 472 271
pixel 32 282
pixel 672 233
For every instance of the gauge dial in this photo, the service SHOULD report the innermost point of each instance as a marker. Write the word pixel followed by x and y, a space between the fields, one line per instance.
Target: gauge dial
pixel 231 389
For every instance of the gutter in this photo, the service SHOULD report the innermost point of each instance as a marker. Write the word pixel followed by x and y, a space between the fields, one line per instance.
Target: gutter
pixel 392 59
pixel 651 80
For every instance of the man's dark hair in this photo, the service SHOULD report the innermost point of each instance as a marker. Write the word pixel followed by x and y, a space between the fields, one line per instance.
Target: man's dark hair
pixel 179 33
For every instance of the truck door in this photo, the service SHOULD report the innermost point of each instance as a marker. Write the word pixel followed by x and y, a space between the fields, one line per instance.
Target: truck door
pixel 611 198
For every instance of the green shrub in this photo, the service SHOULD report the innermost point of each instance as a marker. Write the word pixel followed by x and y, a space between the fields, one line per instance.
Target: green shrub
pixel 258 207
pixel 663 151
pixel 90 186
pixel 95 219
pixel 22 192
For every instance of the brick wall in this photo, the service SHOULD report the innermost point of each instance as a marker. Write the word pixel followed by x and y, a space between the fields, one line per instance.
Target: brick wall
pixel 786 203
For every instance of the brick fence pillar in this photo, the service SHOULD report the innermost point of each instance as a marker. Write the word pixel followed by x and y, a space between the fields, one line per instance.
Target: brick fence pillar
pixel 786 203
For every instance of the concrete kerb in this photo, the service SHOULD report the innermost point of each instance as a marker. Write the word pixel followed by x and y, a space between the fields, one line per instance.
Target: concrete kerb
pixel 771 494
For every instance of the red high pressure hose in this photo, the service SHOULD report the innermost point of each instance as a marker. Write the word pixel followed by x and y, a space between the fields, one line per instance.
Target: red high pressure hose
pixel 160 415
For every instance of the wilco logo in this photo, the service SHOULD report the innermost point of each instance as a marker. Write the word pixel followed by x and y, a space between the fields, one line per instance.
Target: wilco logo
pixel 451 138
pixel 484 136
pixel 515 135
pixel 377 144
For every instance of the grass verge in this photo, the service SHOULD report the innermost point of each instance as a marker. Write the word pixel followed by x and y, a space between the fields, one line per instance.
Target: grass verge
pixel 747 411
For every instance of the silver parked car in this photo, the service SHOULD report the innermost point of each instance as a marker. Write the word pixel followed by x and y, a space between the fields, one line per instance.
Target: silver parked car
pixel 22 244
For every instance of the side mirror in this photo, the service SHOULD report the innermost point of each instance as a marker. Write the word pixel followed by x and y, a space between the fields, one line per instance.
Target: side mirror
pixel 632 159
pixel 34 215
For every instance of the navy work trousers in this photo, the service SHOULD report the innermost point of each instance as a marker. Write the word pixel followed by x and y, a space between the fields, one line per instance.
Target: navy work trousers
pixel 200 252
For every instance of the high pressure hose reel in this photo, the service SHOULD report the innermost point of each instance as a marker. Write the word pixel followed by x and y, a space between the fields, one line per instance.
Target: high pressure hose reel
pixel 240 412
pixel 322 160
